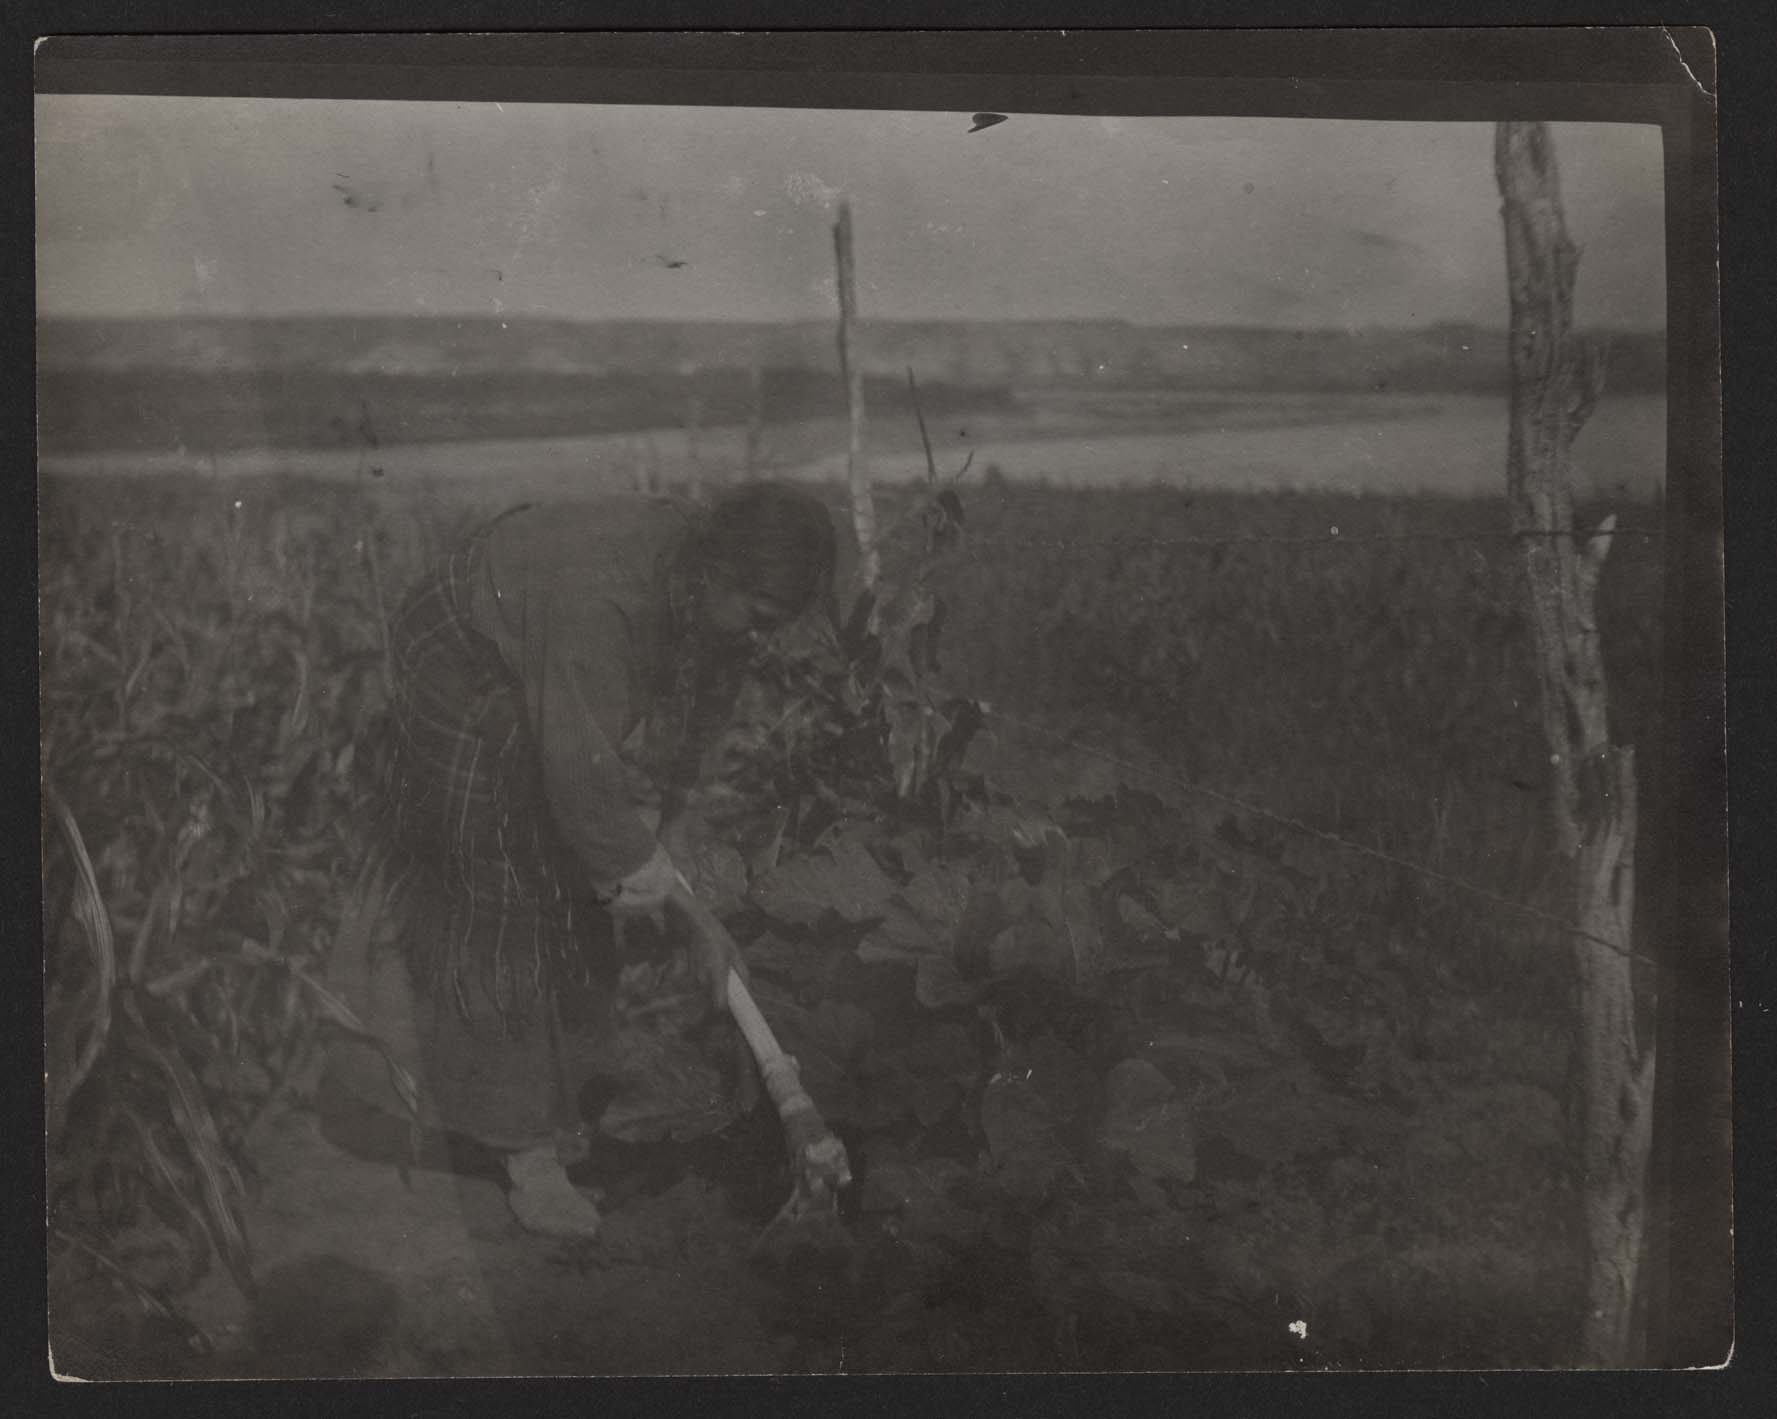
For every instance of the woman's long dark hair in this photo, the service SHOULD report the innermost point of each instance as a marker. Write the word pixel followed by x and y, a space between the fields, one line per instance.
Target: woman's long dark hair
pixel 769 540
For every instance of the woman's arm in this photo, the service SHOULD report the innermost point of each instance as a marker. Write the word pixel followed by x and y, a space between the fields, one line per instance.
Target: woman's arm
pixel 577 685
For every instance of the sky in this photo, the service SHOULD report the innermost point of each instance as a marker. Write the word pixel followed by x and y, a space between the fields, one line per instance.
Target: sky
pixel 210 206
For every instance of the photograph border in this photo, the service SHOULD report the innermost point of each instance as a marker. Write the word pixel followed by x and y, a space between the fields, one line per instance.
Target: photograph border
pixel 1642 75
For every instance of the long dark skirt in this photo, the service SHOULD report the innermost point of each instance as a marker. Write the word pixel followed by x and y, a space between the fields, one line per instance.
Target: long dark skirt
pixel 509 959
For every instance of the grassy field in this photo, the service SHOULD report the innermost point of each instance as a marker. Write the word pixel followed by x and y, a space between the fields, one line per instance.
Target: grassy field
pixel 212 692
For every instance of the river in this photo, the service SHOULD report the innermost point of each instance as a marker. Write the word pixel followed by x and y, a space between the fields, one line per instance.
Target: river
pixel 1445 444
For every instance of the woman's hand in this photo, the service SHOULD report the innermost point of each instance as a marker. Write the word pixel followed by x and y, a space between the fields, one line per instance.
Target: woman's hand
pixel 678 835
pixel 645 891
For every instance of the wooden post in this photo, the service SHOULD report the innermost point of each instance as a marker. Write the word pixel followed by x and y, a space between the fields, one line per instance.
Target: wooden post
pixel 1556 381
pixel 863 504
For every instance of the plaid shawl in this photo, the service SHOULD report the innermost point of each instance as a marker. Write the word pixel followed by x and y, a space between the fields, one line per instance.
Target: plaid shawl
pixel 490 885
pixel 506 914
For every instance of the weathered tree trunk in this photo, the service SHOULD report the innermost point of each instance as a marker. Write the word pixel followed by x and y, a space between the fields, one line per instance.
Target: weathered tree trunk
pixel 1556 380
pixel 863 503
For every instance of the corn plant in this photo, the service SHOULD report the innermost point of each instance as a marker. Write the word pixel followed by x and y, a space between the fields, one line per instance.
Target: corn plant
pixel 207 753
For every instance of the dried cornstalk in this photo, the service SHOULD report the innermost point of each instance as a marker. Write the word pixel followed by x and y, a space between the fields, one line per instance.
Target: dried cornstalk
pixel 1556 381
pixel 95 922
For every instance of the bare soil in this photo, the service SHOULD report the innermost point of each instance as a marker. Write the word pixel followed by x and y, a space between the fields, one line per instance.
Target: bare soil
pixel 367 1268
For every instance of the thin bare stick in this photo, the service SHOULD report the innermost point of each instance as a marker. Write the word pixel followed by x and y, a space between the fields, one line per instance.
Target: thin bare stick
pixel 925 439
